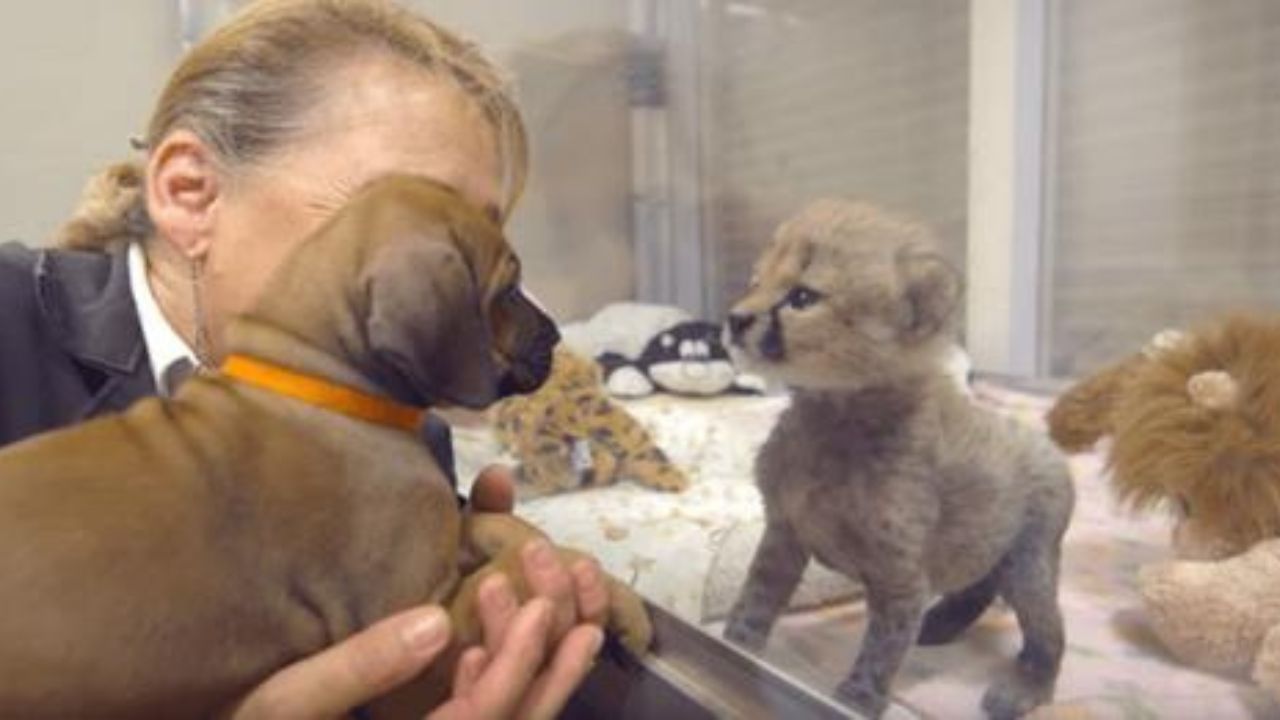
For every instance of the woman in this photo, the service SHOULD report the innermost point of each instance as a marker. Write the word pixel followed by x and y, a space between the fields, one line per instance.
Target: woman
pixel 260 134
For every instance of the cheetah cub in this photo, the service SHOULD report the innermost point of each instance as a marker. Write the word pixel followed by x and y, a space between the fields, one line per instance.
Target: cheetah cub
pixel 881 468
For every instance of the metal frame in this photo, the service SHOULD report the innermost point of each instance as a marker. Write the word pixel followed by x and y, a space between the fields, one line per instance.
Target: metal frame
pixel 1007 155
pixel 693 675
pixel 671 261
pixel 1049 171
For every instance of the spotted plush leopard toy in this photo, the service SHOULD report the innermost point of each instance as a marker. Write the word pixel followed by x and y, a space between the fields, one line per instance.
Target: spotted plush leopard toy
pixel 569 435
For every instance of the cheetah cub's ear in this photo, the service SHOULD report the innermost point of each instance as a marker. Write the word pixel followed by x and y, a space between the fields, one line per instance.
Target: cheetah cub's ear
pixel 931 289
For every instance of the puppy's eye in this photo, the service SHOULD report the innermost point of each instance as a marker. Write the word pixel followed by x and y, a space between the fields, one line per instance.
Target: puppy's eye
pixel 802 297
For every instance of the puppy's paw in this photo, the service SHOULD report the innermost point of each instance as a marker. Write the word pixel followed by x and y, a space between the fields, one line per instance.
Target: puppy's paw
pixel 628 619
pixel 464 606
pixel 487 536
pixel 863 697
pixel 498 539
pixel 1013 696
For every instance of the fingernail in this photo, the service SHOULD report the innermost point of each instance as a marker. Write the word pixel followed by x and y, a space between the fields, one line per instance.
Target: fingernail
pixel 541 554
pixel 427 633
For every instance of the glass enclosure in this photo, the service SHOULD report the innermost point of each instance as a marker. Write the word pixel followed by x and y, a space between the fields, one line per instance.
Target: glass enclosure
pixel 670 140
pixel 1165 171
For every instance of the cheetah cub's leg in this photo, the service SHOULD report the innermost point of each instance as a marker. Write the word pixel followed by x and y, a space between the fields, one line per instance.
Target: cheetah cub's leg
pixel 892 544
pixel 775 572
pixel 1030 585
pixel 895 604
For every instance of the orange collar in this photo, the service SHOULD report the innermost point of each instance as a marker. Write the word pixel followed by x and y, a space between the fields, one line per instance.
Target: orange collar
pixel 322 393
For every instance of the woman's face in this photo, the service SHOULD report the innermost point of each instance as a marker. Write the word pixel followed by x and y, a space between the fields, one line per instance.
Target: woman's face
pixel 381 116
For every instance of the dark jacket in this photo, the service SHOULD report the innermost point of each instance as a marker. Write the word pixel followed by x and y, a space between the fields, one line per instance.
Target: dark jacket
pixel 71 347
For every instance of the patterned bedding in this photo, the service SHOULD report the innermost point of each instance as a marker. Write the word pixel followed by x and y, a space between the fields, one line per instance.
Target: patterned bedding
pixel 688 553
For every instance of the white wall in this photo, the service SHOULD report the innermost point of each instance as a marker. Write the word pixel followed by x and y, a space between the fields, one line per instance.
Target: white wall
pixel 77 79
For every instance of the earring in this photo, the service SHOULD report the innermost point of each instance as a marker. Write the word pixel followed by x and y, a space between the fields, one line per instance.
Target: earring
pixel 201 348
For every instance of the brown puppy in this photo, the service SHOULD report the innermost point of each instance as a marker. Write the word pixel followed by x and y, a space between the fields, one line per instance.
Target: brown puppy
pixel 162 562
pixel 881 468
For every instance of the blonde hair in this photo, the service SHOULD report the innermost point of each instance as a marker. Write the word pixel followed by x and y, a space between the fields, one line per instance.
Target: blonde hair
pixel 245 91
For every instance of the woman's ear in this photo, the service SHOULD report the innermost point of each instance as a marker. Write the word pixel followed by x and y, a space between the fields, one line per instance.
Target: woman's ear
pixel 183 188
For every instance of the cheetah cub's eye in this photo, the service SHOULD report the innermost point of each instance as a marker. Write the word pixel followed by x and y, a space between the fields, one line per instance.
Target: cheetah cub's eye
pixel 802 297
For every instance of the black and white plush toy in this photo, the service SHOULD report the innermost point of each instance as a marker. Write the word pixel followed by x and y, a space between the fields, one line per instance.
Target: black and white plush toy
pixel 644 348
pixel 687 358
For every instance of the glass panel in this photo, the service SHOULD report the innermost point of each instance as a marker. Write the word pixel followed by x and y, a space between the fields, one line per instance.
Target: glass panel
pixel 1166 190
pixel 810 99
pixel 670 139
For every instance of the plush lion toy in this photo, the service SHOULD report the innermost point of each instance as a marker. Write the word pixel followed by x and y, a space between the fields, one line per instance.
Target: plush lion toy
pixel 570 435
pixel 1194 424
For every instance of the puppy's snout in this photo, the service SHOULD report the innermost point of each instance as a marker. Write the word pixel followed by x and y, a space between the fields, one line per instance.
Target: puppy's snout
pixel 738 326
pixel 531 364
pixel 544 349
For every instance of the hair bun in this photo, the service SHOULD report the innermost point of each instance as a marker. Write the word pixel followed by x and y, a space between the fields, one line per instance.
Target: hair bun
pixel 112 210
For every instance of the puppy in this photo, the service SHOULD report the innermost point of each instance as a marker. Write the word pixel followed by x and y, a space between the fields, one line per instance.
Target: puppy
pixel 881 468
pixel 163 562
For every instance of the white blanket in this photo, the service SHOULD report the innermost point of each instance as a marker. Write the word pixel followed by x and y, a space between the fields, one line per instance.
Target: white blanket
pixel 688 551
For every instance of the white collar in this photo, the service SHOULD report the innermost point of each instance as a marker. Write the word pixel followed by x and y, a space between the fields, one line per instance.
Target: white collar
pixel 164 345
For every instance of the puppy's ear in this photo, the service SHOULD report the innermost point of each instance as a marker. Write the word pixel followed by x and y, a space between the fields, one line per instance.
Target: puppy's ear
pixel 426 327
pixel 931 293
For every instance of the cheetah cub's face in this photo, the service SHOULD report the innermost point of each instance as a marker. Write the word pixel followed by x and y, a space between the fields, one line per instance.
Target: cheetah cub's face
pixel 846 296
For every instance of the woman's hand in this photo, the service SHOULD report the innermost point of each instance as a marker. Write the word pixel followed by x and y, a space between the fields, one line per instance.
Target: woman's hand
pixel 533 657
pixel 577 589
pixel 523 673
pixel 520 671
